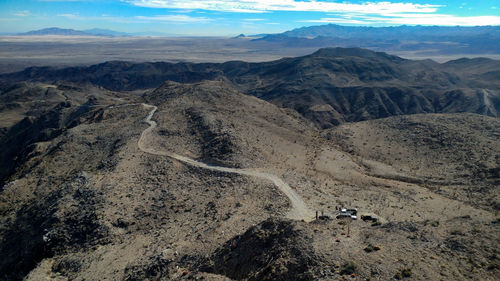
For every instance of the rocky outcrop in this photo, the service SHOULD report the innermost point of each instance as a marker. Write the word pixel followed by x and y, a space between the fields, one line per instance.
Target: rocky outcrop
pixel 272 250
pixel 21 139
pixel 66 220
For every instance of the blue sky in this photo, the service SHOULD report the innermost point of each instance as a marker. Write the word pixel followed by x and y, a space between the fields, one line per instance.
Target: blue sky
pixel 223 17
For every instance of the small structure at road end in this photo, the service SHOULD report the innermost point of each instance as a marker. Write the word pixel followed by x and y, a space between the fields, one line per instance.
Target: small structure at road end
pixel 323 216
pixel 369 218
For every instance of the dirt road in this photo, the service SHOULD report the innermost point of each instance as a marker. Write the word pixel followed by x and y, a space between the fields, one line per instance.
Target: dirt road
pixel 299 210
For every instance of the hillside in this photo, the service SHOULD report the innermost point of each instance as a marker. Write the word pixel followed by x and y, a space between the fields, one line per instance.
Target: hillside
pixel 462 147
pixel 88 202
pixel 218 176
pixel 93 164
pixel 329 87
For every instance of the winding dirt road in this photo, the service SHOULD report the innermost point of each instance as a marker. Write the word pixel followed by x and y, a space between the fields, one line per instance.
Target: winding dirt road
pixel 299 210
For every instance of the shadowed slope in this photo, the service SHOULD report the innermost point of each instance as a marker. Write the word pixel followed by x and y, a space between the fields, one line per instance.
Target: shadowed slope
pixel 329 87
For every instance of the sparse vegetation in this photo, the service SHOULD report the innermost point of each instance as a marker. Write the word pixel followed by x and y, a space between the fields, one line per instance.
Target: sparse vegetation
pixel 426 178
pixel 493 265
pixel 348 268
pixel 403 273
pixel 431 223
pixel 370 248
pixel 457 232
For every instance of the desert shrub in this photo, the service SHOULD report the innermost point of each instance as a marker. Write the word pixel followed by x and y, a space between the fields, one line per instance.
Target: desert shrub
pixel 493 265
pixel 406 272
pixel 370 248
pixel 403 273
pixel 349 268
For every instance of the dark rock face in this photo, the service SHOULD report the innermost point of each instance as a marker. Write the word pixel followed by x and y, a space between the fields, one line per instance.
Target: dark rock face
pixel 156 268
pixel 22 136
pixel 23 246
pixel 21 139
pixel 272 250
pixel 455 245
pixel 121 76
pixel 65 221
pixel 217 146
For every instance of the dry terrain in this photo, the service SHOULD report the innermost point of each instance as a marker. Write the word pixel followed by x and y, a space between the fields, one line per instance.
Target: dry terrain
pixel 19 52
pixel 203 181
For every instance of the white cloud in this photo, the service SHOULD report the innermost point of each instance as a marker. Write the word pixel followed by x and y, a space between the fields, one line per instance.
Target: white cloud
pixel 367 13
pixel 184 11
pixel 441 19
pixel 259 6
pixel 70 16
pixel 336 20
pixel 67 0
pixel 139 19
pixel 411 19
pixel 24 13
pixel 174 18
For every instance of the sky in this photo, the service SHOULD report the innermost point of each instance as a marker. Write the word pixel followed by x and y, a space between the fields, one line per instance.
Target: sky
pixel 229 18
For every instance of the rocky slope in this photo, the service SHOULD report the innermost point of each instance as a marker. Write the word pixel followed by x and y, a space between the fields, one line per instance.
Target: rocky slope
pixel 90 197
pixel 329 87
pixel 80 200
pixel 462 147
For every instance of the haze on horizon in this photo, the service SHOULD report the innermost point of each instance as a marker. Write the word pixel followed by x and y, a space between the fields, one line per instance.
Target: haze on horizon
pixel 229 18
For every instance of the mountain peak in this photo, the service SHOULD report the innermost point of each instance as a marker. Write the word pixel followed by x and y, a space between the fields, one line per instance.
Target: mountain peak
pixel 354 52
pixel 54 31
pixel 73 32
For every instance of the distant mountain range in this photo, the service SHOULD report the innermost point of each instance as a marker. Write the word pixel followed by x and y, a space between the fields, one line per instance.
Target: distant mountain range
pixel 427 39
pixel 73 32
pixel 392 32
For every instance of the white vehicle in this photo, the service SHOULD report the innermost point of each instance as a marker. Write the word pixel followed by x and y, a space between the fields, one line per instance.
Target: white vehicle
pixel 342 215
